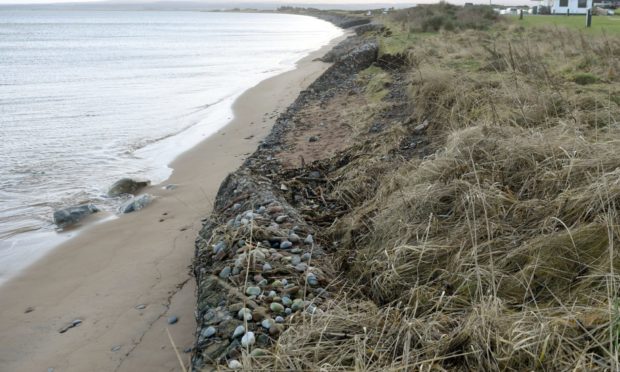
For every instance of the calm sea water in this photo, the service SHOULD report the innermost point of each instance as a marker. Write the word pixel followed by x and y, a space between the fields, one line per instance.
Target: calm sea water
pixel 87 98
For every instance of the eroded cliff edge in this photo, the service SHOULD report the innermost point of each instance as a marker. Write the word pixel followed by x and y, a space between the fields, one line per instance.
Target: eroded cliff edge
pixel 259 262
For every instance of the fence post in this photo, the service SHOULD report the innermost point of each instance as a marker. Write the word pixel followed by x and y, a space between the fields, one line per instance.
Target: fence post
pixel 567 12
pixel 589 18
pixel 520 13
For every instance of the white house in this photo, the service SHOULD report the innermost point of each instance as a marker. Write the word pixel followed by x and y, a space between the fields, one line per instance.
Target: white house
pixel 564 6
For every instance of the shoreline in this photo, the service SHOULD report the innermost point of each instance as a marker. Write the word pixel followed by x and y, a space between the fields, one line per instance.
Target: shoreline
pixel 103 273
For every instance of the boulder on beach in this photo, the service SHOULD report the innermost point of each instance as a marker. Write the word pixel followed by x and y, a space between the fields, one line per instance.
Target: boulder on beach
pixel 72 215
pixel 136 203
pixel 126 186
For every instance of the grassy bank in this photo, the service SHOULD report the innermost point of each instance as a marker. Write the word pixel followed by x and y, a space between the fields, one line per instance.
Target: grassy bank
pixel 600 24
pixel 467 199
pixel 482 218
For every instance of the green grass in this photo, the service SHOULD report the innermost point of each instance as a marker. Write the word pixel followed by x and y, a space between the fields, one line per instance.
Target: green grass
pixel 600 24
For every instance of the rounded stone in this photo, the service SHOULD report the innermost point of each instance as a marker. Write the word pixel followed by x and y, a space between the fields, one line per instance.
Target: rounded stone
pixel 258 352
pixel 276 307
pixel 245 314
pixel 267 323
pixel 267 266
pixel 238 331
pixel 253 291
pixel 295 260
pixel 286 244
pixel 279 319
pixel 309 239
pixel 312 280
pixel 248 339
pixel 294 238
pixel 172 319
pixel 209 332
pixel 298 304
pixel 286 301
pixel 225 273
pixel 281 219
pixel 234 364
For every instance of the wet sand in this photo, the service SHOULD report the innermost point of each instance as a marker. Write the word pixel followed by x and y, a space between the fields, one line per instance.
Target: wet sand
pixel 144 258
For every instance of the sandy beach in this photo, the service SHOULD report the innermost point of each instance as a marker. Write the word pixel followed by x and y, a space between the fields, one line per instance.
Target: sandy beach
pixel 104 274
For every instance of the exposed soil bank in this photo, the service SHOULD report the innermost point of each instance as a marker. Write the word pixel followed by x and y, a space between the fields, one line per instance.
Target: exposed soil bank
pixel 258 267
pixel 102 276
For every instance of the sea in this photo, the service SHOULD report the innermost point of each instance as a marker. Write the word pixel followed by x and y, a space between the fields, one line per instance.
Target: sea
pixel 89 97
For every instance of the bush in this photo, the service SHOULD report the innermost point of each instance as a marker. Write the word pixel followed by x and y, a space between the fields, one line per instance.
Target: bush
pixel 432 18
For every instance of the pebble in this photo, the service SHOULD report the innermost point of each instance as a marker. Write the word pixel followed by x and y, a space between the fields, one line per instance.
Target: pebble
pixel 238 331
pixel 313 139
pixel 263 283
pixel 267 323
pixel 209 332
pixel 277 284
pixel 276 307
pixel 261 210
pixel 219 246
pixel 281 218
pixel 312 280
pixel 267 266
pixel 276 329
pixel 306 256
pixel 296 250
pixel 248 339
pixel 301 267
pixel 263 340
pixel 288 311
pixel 295 260
pixel 172 319
pixel 225 273
pixel 286 244
pixel 298 304
pixel 315 174
pixel 284 282
pixel 253 291
pixel 116 348
pixel 309 240
pixel 140 307
pixel 286 301
pixel 279 319
pixel 258 352
pixel 245 314
pixel 234 364
pixel 236 270
pixel 236 206
pixel 187 350
pixel 294 238
pixel 272 294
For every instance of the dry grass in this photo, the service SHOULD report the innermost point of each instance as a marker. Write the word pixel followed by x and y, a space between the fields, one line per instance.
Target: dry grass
pixel 498 252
